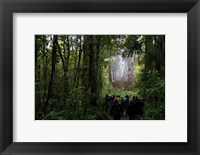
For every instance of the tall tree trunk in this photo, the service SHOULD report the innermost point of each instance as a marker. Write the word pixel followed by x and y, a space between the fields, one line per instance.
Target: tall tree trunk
pixel 76 58
pixel 145 56
pixel 78 65
pixel 37 72
pixel 45 66
pixel 36 51
pixel 85 73
pixel 66 67
pixel 64 72
pixel 93 72
pixel 65 58
pixel 85 79
pixel 55 43
pixel 162 59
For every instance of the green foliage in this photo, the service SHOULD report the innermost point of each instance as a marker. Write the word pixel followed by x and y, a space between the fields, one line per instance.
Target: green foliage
pixel 133 44
pixel 73 108
pixel 151 88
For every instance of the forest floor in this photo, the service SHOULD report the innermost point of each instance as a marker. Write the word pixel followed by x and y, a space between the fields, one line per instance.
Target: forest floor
pixel 122 118
pixel 126 117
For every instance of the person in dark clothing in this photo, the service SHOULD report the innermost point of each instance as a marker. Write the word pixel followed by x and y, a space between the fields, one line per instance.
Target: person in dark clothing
pixel 122 106
pixel 106 105
pixel 110 103
pixel 132 109
pixel 112 98
pixel 106 98
pixel 125 105
pixel 116 110
pixel 140 107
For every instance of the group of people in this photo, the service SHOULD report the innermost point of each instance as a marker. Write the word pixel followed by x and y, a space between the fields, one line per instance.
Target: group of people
pixel 119 107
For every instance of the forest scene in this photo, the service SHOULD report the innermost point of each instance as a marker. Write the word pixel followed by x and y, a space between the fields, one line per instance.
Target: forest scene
pixel 99 77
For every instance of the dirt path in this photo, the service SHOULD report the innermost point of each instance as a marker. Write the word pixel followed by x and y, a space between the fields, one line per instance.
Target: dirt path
pixel 122 118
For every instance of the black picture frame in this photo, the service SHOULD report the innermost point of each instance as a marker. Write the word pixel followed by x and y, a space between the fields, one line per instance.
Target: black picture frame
pixel 8 7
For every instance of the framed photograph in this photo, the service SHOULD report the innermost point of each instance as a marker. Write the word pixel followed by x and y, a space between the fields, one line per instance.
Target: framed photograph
pixel 100 77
